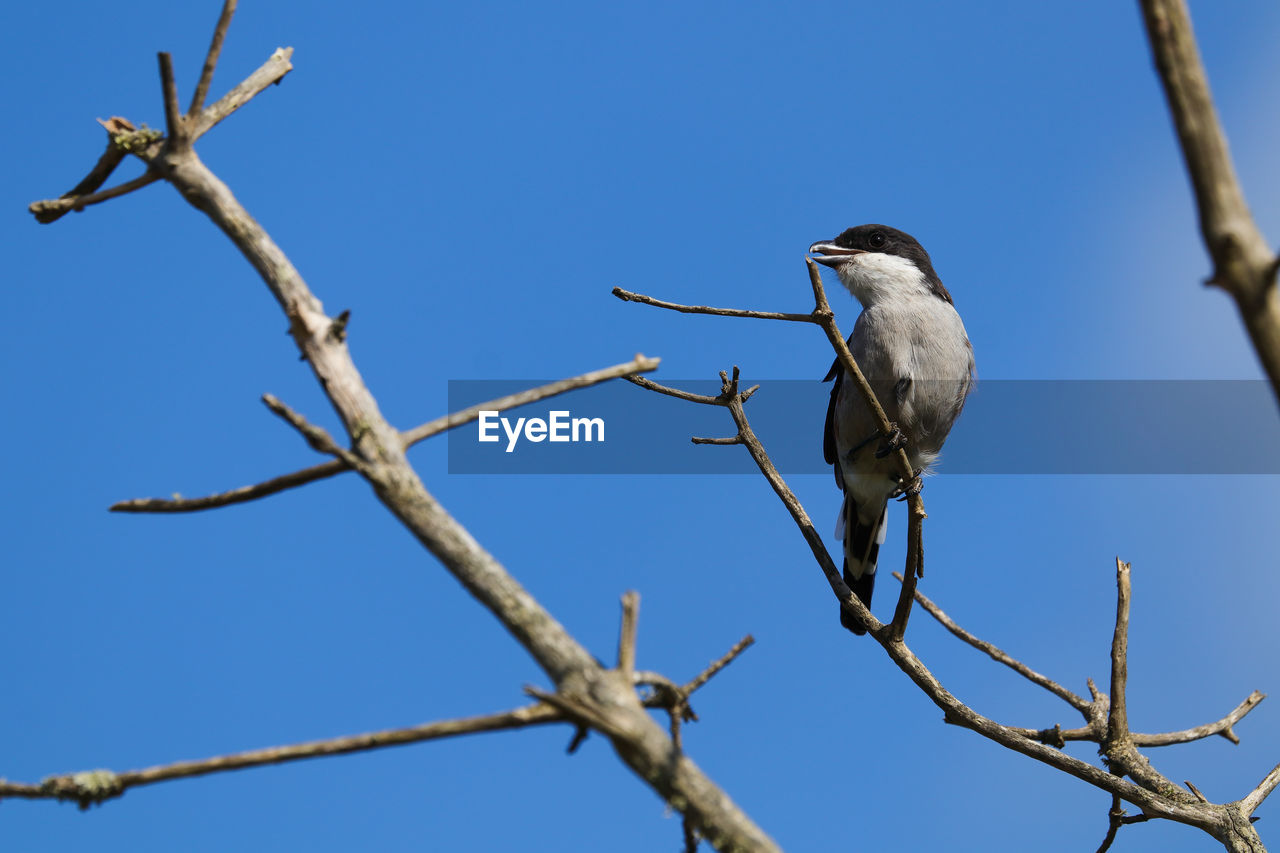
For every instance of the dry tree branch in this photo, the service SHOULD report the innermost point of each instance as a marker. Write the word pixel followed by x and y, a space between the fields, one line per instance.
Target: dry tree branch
pixel 1155 795
pixel 627 634
pixel 53 209
pixel 1096 734
pixel 999 655
pixel 593 694
pixel 639 364
pixel 85 193
pixel 628 296
pixel 1118 716
pixel 175 127
pixel 1243 264
pixel 1116 818
pixel 823 317
pixel 733 400
pixel 211 58
pixel 98 785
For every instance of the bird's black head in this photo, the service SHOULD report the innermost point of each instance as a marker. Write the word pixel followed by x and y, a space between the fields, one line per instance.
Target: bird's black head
pixel 879 239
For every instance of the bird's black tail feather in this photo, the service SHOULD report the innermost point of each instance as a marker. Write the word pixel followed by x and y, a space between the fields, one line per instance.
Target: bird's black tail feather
pixel 862 587
pixel 862 544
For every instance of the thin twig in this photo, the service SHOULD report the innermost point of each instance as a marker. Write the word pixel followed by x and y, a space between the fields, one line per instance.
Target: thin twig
pixel 1251 802
pixel 420 433
pixel 317 436
pixel 914 569
pixel 627 634
pixel 719 664
pixel 823 317
pixel 174 127
pixel 54 209
pixel 1116 818
pixel 73 786
pixel 999 655
pixel 628 296
pixel 211 58
pixel 1114 814
pixel 667 390
pixel 639 364
pixel 1222 727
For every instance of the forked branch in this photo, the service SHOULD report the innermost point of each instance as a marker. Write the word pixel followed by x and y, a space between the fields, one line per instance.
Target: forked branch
pixel 601 694
pixel 823 317
pixel 639 364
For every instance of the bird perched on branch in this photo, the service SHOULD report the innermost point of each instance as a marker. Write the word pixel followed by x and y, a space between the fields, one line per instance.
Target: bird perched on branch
pixel 912 348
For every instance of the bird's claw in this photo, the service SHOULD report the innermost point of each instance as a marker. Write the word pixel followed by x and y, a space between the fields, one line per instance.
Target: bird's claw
pixel 909 489
pixel 894 441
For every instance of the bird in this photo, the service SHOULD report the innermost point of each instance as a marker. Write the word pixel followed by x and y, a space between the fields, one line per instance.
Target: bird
pixel 912 347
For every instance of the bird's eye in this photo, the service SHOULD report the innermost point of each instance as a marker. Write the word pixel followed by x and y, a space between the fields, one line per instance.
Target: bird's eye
pixel 877 240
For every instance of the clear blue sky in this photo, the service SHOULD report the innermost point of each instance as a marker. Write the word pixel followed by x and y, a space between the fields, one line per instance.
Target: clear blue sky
pixel 471 180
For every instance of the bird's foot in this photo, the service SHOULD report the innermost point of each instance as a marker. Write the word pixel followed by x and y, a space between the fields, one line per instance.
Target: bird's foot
pixel 894 441
pixel 910 488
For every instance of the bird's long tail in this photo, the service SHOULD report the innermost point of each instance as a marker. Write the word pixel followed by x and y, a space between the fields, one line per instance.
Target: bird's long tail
pixel 861 550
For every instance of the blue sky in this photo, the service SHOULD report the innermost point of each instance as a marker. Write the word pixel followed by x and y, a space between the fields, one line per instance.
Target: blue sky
pixel 471 180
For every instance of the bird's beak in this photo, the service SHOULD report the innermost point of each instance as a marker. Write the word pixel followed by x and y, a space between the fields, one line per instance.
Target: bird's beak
pixel 834 255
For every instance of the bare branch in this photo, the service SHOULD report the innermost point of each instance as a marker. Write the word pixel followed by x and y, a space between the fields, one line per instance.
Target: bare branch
pixel 649 384
pixel 1155 800
pixel 95 786
pixel 999 655
pixel 1116 818
pixel 271 71
pixel 1118 718
pixel 639 364
pixel 628 296
pixel 1244 264
pixel 719 664
pixel 318 437
pixel 235 496
pixel 1255 798
pixel 1113 824
pixel 914 570
pixel 627 634
pixel 54 209
pixel 850 602
pixel 823 317
pixel 1222 727
pixel 731 439
pixel 211 58
pixel 174 125
pixel 1153 793
pixel 596 696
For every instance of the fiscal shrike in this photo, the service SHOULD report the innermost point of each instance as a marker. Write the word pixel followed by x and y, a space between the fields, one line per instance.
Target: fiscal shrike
pixel 912 348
